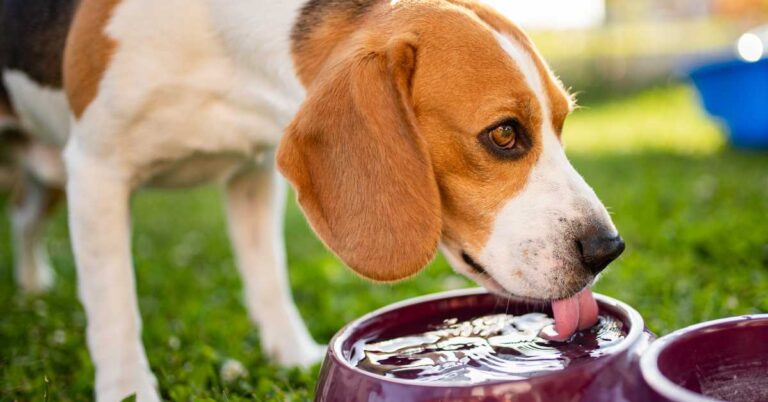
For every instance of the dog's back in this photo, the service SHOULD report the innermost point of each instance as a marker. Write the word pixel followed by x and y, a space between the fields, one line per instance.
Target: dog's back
pixel 33 36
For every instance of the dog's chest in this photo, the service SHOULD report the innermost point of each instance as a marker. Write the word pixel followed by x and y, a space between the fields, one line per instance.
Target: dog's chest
pixel 196 70
pixel 197 169
pixel 193 100
pixel 192 90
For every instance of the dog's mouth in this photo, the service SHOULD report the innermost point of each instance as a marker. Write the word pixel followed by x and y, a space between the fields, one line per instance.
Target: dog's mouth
pixel 487 280
pixel 576 312
pixel 473 264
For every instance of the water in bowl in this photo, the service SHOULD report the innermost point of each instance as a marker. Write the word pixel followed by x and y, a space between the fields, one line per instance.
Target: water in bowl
pixel 492 347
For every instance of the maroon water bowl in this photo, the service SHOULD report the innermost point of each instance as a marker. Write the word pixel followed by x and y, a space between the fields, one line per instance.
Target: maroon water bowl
pixel 718 360
pixel 614 376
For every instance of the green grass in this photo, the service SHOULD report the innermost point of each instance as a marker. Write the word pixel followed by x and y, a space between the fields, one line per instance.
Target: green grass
pixel 693 214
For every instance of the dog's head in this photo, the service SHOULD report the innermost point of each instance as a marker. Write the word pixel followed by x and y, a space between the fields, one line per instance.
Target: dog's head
pixel 438 123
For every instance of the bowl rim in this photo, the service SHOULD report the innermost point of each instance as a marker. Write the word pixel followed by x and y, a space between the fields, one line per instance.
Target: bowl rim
pixel 653 376
pixel 335 346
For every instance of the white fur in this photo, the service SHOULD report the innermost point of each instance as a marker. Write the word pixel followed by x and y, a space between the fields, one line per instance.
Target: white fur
pixel 202 98
pixel 182 103
pixel 32 266
pixel 175 91
pixel 41 174
pixel 41 110
pixel 44 162
pixel 531 249
pixel 255 208
pixel 206 97
pixel 100 232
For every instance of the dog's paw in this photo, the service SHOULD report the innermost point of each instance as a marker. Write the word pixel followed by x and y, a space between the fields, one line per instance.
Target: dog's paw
pixel 141 387
pixel 141 398
pixel 143 395
pixel 304 356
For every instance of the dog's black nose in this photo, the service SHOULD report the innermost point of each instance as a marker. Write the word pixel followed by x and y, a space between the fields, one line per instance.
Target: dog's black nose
pixel 597 251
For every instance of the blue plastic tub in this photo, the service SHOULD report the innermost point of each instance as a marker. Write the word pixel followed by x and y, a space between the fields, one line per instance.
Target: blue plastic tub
pixel 736 92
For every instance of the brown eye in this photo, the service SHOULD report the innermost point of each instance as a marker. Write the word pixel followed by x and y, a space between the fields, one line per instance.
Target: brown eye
pixel 504 136
pixel 506 139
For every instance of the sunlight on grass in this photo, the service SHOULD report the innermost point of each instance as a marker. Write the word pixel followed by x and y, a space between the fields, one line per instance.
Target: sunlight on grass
pixel 668 119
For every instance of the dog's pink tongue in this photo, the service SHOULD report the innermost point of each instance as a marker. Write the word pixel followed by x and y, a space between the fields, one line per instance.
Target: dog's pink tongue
pixel 576 312
pixel 587 310
pixel 566 312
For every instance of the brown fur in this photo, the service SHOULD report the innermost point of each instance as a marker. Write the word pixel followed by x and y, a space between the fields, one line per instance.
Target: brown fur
pixel 363 175
pixel 367 159
pixel 315 13
pixel 560 100
pixel 52 197
pixel 88 52
pixel 481 87
pixel 5 110
pixel 12 139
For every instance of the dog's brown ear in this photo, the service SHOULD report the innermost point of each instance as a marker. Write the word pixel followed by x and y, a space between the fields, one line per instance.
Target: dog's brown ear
pixel 362 171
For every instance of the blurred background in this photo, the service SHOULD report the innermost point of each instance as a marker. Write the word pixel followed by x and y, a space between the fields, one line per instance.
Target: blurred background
pixel 606 47
pixel 691 203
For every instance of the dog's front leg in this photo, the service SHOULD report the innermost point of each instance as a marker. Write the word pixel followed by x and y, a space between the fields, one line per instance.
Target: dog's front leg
pixel 255 207
pixel 99 225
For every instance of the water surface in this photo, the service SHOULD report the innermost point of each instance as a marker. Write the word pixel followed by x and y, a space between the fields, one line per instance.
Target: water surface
pixel 492 347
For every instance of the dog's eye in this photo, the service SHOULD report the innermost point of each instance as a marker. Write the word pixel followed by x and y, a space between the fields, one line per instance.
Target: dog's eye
pixel 506 140
pixel 503 136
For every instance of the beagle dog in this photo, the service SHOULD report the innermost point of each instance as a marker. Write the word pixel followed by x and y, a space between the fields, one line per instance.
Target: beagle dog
pixel 404 127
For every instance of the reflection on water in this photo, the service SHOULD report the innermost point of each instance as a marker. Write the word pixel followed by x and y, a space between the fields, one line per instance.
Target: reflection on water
pixel 493 347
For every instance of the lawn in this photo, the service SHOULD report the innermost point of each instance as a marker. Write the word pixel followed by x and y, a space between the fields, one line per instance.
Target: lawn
pixel 693 214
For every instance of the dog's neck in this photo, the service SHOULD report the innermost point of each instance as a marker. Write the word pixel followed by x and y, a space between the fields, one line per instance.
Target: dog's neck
pixel 306 31
pixel 254 29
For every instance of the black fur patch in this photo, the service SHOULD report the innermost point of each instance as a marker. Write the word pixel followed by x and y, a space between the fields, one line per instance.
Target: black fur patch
pixel 5 101
pixel 314 11
pixel 32 37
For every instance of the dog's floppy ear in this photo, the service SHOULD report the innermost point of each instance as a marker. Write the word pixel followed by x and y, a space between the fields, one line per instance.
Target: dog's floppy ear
pixel 361 170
